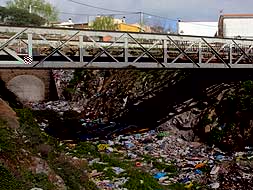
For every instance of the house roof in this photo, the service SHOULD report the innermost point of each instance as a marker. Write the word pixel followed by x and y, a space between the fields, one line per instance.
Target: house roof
pixel 236 15
pixel 197 21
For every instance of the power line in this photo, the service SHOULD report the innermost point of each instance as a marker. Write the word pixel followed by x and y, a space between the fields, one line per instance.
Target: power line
pixel 160 17
pixel 127 12
pixel 177 20
pixel 101 8
pixel 82 14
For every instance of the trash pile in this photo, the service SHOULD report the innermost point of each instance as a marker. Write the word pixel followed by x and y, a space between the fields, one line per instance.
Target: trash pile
pixel 166 155
pixel 62 79
pixel 171 160
pixel 57 106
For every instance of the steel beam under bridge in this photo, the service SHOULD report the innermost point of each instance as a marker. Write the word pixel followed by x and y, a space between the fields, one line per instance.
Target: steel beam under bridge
pixel 71 48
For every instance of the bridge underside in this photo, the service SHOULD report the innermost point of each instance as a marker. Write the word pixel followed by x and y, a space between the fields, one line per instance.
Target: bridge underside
pixel 71 48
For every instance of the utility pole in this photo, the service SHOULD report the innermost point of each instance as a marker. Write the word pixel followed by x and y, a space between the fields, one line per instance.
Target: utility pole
pixel 178 20
pixel 88 20
pixel 30 9
pixel 141 20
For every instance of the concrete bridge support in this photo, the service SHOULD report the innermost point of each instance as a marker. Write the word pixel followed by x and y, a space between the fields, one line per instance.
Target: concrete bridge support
pixel 29 85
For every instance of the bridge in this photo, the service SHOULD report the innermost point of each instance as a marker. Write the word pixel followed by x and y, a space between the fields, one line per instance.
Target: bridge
pixel 33 47
pixel 30 85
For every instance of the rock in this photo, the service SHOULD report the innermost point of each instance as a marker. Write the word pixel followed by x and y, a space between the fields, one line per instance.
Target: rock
pixel 39 165
pixel 7 114
pixel 188 135
pixel 44 149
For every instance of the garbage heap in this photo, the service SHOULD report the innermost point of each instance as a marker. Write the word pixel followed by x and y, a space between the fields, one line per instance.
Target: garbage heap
pixel 172 160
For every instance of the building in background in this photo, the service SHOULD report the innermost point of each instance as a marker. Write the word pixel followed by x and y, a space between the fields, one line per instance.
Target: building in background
pixel 121 25
pixel 68 24
pixel 198 28
pixel 128 27
pixel 236 26
pixel 81 26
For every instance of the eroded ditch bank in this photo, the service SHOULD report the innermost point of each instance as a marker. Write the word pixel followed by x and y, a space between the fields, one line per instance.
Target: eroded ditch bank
pixel 172 157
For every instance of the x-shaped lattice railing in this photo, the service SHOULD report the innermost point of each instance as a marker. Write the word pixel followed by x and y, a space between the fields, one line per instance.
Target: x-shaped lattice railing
pixel 230 52
pixel 56 49
pixel 182 51
pixel 3 47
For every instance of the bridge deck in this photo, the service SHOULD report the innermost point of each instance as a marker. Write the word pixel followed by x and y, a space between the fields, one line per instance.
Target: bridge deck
pixel 60 48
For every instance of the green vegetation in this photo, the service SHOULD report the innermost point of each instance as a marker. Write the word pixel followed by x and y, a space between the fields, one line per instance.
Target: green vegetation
pixel 31 131
pixel 161 165
pixel 19 17
pixel 7 180
pixel 104 23
pixel 37 180
pixel 39 7
pixel 71 175
pixel 84 149
pixel 29 137
pixel 7 142
pixel 135 183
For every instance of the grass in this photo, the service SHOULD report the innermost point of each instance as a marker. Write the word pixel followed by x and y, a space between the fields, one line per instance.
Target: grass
pixel 135 177
pixel 30 129
pixel 7 141
pixel 37 180
pixel 85 149
pixel 171 169
pixel 7 180
pixel 74 178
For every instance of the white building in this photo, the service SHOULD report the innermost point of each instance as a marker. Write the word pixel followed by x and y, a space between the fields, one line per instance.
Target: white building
pixel 198 28
pixel 236 26
pixel 68 24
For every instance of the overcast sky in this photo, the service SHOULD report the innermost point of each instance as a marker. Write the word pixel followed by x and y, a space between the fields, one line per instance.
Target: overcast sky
pixel 190 10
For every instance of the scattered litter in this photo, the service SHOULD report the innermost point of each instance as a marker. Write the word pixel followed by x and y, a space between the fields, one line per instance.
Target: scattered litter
pixel 200 165
pixel 215 185
pixel 189 185
pixel 215 170
pixel 102 147
pixel 159 175
pixel 118 170
pixel 164 155
pixel 198 172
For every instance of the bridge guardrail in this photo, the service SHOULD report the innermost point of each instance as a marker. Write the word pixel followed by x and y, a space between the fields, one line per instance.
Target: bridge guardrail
pixel 61 48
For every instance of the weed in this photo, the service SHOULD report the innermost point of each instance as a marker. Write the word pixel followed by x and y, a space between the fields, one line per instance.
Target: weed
pixel 7 180
pixel 141 180
pixel 84 149
pixel 37 180
pixel 30 129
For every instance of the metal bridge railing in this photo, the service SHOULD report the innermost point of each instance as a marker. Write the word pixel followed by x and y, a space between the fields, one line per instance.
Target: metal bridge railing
pixel 60 48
